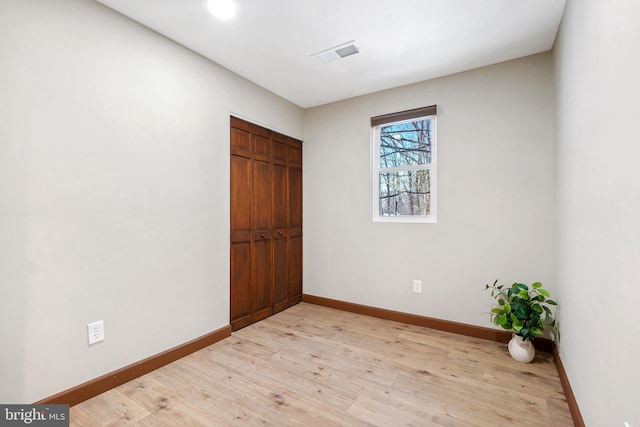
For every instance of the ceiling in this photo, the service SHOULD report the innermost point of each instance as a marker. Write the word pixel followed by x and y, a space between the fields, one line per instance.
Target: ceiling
pixel 270 42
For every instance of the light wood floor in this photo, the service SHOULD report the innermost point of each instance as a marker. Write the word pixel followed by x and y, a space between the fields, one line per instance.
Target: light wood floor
pixel 315 366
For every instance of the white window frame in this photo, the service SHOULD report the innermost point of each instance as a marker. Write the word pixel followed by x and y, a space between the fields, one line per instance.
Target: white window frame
pixel 376 170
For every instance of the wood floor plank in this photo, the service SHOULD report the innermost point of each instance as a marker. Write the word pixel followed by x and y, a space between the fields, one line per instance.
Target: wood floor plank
pixel 112 409
pixel 379 413
pixel 316 366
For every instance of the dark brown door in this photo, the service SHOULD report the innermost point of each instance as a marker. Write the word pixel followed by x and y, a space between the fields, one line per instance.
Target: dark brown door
pixel 294 263
pixel 261 267
pixel 266 222
pixel 241 235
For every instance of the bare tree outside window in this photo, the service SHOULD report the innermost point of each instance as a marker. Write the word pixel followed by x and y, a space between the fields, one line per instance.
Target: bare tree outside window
pixel 404 167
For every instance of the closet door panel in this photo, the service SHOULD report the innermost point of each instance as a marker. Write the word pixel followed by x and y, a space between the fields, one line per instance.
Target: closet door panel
pixel 280 223
pixel 240 138
pixel 261 143
pixel 240 280
pixel 240 194
pixel 280 149
pixel 294 264
pixel 280 267
pixel 261 275
pixel 261 196
pixel 294 153
pixel 280 197
pixel 295 198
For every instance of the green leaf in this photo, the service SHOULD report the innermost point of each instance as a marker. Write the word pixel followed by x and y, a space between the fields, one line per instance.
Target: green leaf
pixel 537 308
pixel 522 286
pixel 547 309
pixel 524 294
pixel 544 292
pixel 507 307
pixel 551 302
pixel 501 301
pixel 537 285
pixel 524 332
pixel 517 323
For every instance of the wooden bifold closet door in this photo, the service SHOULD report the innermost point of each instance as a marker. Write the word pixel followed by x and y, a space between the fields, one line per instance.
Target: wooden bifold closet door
pixel 266 222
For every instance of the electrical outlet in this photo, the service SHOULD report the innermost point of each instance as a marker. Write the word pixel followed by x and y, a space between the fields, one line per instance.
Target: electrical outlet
pixel 96 332
pixel 417 286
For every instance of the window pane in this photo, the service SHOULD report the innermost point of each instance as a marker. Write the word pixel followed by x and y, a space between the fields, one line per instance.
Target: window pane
pixel 406 144
pixel 405 193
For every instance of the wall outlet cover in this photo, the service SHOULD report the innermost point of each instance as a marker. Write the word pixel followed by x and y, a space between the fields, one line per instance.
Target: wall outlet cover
pixel 417 286
pixel 96 332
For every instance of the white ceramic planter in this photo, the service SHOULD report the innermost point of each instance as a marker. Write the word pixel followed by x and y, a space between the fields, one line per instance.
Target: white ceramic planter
pixel 521 350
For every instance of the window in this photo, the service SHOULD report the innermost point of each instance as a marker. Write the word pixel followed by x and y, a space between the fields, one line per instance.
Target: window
pixel 404 166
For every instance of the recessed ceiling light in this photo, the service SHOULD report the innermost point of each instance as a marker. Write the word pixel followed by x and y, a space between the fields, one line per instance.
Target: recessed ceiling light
pixel 223 9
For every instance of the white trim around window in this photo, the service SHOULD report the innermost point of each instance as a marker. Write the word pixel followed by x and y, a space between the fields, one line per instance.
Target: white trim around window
pixel 404 184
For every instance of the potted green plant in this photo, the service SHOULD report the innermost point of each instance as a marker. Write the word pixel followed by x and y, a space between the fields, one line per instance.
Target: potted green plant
pixel 524 309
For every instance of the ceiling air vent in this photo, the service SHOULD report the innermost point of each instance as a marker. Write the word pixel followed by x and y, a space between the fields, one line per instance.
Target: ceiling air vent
pixel 337 52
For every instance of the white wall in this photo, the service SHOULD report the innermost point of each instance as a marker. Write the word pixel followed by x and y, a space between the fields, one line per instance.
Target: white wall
pixel 114 191
pixel 598 206
pixel 495 195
